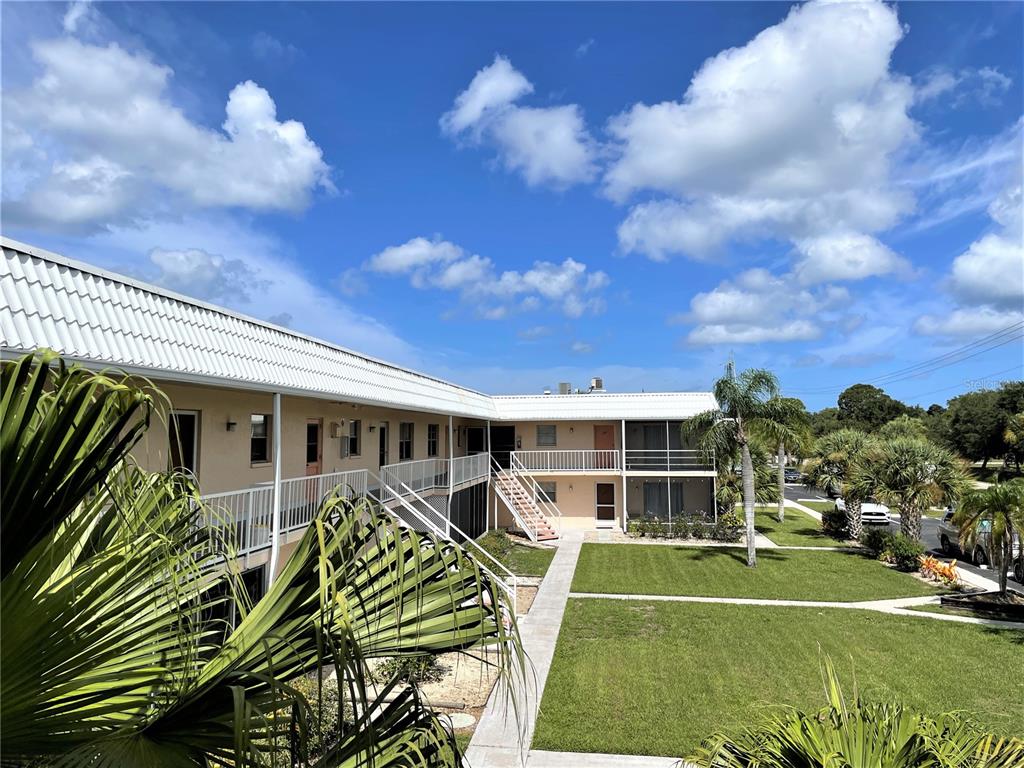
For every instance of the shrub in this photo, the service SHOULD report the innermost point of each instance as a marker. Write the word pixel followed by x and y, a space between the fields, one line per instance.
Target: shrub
pixel 875 540
pixel 833 524
pixel 497 544
pixel 410 669
pixel 633 528
pixel 727 528
pixel 681 528
pixel 903 552
pixel 698 530
pixel 324 717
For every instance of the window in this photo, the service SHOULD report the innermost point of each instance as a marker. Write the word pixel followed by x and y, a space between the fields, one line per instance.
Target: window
pixel 550 487
pixel 433 431
pixel 259 438
pixel 546 436
pixel 352 442
pixel 404 440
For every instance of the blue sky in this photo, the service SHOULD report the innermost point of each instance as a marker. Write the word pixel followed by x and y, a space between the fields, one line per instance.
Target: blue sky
pixel 512 195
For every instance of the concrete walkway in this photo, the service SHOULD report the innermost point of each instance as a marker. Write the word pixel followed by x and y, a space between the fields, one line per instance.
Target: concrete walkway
pixel 896 607
pixel 499 741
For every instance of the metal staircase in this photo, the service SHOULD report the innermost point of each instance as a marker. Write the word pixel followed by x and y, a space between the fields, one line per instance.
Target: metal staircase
pixel 534 512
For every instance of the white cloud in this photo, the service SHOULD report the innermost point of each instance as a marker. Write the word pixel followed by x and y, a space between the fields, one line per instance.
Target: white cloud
pixel 845 256
pixel 118 149
pixel 79 13
pixel 534 332
pixel 581 347
pixel 991 271
pixel 735 162
pixel 584 48
pixel 982 86
pixel 547 145
pixel 442 264
pixel 974 322
pixel 758 307
pixel 211 277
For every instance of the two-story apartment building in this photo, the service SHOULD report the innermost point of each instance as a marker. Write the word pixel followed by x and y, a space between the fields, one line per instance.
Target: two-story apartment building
pixel 268 420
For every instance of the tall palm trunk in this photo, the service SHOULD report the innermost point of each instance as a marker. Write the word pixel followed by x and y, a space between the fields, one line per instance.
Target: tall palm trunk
pixel 854 524
pixel 748 504
pixel 782 481
pixel 910 521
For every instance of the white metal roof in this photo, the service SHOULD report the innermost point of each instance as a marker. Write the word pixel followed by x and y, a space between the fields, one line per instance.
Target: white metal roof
pixel 102 318
pixel 603 405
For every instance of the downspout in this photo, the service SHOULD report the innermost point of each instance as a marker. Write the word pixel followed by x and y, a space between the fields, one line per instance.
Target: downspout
pixel 275 525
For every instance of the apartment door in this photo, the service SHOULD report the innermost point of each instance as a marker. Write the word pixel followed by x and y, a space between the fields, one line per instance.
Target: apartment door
pixel 605 504
pixel 314 447
pixel 183 435
pixel 382 444
pixel 604 440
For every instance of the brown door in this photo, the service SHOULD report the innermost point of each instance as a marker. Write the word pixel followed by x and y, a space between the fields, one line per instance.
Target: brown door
pixel 606 502
pixel 604 440
pixel 314 447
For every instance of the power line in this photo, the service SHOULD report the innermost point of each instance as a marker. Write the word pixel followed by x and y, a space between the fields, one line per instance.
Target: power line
pixel 965 381
pixel 1007 335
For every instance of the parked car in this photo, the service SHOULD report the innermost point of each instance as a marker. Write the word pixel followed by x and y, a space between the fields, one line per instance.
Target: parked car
pixel 871 512
pixel 949 541
pixel 794 476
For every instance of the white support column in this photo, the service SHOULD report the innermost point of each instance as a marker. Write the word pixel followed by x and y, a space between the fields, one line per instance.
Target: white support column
pixel 451 459
pixel 487 508
pixel 622 472
pixel 275 526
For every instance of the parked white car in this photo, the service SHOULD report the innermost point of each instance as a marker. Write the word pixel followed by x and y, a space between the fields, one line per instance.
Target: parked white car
pixel 871 512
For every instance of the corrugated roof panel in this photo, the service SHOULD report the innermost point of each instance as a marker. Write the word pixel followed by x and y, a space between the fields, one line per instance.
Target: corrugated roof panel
pixel 96 315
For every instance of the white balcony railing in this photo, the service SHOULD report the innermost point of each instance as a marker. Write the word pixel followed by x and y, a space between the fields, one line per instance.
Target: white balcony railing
pixel 567 461
pixel 428 474
pixel 419 476
pixel 245 517
pixel 667 460
pixel 466 469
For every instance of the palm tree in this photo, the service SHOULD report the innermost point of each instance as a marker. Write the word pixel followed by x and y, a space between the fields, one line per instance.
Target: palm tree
pixel 998 512
pixel 794 415
pixel 117 590
pixel 833 467
pixel 748 408
pixel 861 733
pixel 911 474
pixel 729 485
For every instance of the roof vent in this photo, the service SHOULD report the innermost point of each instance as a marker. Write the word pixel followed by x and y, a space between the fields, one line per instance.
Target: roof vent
pixel 564 388
pixel 597 384
pixel 547 391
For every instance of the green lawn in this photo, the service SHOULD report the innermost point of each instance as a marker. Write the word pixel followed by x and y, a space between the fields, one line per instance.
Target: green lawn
pixel 647 569
pixel 819 506
pixel 798 529
pixel 655 678
pixel 529 561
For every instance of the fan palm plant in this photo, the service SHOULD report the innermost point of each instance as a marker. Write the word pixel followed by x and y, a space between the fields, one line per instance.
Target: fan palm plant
pixel 833 467
pixel 748 408
pixel 995 513
pixel 860 734
pixel 116 588
pixel 910 474
pixel 794 415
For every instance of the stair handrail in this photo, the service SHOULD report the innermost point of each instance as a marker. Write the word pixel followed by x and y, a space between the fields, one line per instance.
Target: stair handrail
pixel 510 584
pixel 547 505
pixel 530 530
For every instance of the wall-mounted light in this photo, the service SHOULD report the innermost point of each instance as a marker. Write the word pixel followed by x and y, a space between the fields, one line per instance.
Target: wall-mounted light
pixel 231 425
pixel 373 427
pixel 570 430
pixel 336 428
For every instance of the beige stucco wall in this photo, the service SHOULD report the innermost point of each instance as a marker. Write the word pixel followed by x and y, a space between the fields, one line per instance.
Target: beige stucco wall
pixel 570 435
pixel 223 456
pixel 576 500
